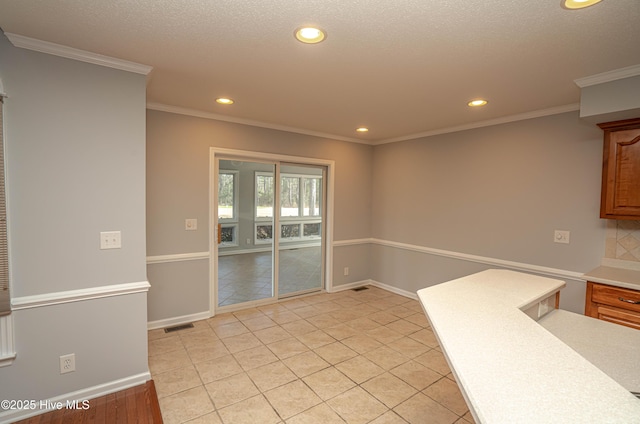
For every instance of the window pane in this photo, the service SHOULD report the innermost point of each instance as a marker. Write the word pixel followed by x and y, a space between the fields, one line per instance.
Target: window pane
pixel 290 231
pixel 228 235
pixel 225 196
pixel 311 230
pixel 264 232
pixel 290 196
pixel 264 196
pixel 311 194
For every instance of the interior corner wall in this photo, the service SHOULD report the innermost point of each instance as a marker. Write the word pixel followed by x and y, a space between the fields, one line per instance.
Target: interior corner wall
pixel 497 193
pixel 178 151
pixel 75 159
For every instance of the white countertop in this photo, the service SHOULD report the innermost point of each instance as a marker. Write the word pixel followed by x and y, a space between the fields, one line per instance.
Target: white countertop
pixel 615 349
pixel 509 368
pixel 619 277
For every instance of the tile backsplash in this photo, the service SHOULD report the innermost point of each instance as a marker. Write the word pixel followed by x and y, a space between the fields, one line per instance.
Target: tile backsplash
pixel 623 240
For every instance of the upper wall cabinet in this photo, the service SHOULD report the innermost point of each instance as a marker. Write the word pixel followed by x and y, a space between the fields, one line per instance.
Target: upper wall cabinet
pixel 621 170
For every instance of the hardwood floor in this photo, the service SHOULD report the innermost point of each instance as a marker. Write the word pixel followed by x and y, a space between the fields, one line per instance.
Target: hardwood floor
pixel 134 405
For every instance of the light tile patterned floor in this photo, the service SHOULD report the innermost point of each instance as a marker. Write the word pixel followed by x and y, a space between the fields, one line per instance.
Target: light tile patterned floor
pixel 349 357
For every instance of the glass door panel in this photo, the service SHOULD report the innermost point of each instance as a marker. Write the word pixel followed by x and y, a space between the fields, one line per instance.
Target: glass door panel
pixel 245 225
pixel 300 259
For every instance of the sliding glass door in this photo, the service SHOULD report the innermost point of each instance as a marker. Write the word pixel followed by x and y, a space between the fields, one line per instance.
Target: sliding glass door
pixel 266 252
pixel 245 232
pixel 301 212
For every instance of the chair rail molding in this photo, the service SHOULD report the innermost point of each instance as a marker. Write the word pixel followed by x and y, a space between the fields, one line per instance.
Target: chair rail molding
pixel 177 257
pixel 519 266
pixel 56 298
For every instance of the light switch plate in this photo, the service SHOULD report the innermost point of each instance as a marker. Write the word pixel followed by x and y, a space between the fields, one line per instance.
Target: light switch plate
pixel 561 236
pixel 190 224
pixel 110 240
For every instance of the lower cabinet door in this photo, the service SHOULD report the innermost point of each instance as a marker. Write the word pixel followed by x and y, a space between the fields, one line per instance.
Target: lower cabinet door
pixel 619 316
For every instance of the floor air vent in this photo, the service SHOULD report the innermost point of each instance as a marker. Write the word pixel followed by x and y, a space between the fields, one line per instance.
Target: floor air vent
pixel 360 288
pixel 178 328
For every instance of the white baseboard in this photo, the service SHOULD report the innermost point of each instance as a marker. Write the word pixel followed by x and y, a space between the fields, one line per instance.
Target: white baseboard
pixel 14 415
pixel 349 286
pixel 184 319
pixel 369 282
pixel 410 295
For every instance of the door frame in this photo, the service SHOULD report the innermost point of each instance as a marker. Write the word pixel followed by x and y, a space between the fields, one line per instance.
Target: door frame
pixel 216 153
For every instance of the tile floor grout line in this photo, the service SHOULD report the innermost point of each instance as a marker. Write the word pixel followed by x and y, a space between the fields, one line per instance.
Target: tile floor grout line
pixel 404 330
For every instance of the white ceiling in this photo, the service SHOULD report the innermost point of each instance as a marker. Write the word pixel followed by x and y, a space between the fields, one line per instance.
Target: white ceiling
pixel 401 67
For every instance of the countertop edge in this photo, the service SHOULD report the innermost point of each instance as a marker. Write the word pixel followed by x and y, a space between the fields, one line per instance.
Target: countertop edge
pixel 613 276
pixel 476 311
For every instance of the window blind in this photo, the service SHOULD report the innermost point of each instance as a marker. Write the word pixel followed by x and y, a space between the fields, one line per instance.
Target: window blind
pixel 5 306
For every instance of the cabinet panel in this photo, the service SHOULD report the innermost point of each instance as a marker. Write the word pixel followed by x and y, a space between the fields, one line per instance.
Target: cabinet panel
pixel 619 316
pixel 613 304
pixel 616 296
pixel 621 170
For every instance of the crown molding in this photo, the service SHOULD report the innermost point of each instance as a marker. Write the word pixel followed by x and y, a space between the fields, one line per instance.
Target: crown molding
pixel 488 123
pixel 76 54
pixel 503 120
pixel 208 115
pixel 616 74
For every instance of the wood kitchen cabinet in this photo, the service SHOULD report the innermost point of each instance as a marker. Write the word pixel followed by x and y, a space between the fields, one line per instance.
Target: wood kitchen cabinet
pixel 621 170
pixel 614 304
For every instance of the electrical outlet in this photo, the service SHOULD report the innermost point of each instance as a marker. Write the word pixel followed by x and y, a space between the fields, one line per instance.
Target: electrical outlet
pixel 546 305
pixel 67 363
pixel 346 270
pixel 190 224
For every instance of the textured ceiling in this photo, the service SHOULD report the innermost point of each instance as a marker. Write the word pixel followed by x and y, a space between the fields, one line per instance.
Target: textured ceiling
pixel 400 67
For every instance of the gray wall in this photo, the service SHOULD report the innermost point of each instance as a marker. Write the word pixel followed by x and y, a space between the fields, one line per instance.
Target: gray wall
pixel 75 152
pixel 497 192
pixel 178 149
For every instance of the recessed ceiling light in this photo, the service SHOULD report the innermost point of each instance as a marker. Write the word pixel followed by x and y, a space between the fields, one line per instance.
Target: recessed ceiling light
pixel 578 4
pixel 224 101
pixel 477 102
pixel 309 35
pixel 362 129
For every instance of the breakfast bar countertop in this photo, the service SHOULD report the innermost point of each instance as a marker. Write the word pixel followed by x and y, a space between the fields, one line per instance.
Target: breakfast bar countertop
pixel 510 368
